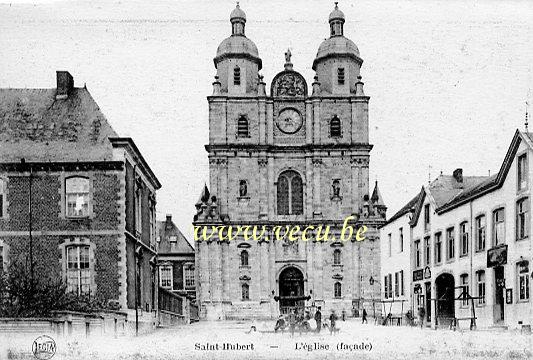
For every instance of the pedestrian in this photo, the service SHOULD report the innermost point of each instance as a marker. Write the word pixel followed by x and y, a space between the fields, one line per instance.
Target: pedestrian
pixel 364 316
pixel 318 319
pixel 421 316
pixel 332 322
pixel 292 321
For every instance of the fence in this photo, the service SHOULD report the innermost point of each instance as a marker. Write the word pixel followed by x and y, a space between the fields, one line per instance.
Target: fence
pixel 174 309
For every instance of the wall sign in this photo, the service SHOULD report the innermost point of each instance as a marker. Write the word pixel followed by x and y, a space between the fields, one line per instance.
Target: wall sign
pixel 497 256
pixel 427 272
pixel 508 296
pixel 418 275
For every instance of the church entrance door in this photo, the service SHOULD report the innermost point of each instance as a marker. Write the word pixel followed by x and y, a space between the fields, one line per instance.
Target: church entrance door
pixel 291 290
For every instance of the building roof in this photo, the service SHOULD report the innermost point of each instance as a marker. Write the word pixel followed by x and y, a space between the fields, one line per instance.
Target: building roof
pixel 37 126
pixel 336 14
pixel 407 208
pixel 489 183
pixel 166 229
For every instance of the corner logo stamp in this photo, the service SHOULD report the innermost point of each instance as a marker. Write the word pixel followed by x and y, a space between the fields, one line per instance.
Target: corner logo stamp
pixel 44 347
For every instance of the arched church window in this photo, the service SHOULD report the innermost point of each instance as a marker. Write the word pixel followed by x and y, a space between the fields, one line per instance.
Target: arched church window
pixel 245 292
pixel 336 257
pixel 340 76
pixel 242 126
pixel 244 258
pixel 335 127
pixel 290 193
pixel 236 75
pixel 337 288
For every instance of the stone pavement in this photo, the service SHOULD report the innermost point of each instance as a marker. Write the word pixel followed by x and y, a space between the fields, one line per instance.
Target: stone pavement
pixel 231 340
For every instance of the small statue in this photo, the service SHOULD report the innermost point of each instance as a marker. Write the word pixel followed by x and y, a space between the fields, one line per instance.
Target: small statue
pixel 336 188
pixel 243 188
pixel 288 55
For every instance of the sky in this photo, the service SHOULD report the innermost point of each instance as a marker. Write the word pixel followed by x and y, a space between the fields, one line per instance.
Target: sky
pixel 448 80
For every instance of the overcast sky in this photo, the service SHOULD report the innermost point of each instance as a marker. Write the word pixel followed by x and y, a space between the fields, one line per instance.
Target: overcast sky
pixel 448 80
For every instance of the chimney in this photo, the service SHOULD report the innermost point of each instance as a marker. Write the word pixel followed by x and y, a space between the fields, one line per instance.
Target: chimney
pixel 169 218
pixel 65 84
pixel 458 175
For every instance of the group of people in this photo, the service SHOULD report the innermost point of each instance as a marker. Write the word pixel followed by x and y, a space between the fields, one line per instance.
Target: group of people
pixel 304 322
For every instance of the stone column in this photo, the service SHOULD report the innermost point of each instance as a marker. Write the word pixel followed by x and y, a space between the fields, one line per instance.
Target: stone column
pixel 308 122
pixel 316 121
pixel 317 209
pixel 264 187
pixel 216 260
pixel 262 121
pixel 226 252
pixel 309 181
pixel 270 122
pixel 355 182
pixel 364 176
pixel 263 246
pixel 271 181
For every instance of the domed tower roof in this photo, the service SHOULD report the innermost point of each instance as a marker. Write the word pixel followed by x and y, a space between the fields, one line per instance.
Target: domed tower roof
pixel 237 45
pixel 337 44
pixel 336 14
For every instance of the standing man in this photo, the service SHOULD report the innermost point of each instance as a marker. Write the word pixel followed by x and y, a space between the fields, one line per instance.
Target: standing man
pixel 364 316
pixel 421 316
pixel 318 319
pixel 332 321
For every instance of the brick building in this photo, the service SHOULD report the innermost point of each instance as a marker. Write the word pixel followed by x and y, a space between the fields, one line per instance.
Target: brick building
pixel 175 259
pixel 466 246
pixel 287 158
pixel 76 197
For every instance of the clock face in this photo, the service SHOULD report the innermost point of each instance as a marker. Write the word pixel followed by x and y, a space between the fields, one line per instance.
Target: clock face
pixel 289 121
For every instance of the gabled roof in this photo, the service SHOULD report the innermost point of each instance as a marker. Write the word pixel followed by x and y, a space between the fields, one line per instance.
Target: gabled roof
pixel 409 207
pixel 166 229
pixel 38 127
pixel 490 183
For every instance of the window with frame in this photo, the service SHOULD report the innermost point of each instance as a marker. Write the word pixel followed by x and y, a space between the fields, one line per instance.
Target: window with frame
pixel 78 269
pixel 335 127
pixel 400 240
pixel 402 288
pixel 165 276
pixel 417 253
pixel 438 248
pixel 244 258
pixel 498 227
pixel 522 219
pixel 480 277
pixel 390 285
pixel 2 197
pixel 77 196
pixel 1 258
pixel 386 286
pixel 236 75
pixel 188 275
pixel 523 280
pixel 481 229
pixel 463 236
pixel 290 193
pixel 522 176
pixel 337 259
pixel 152 224
pixel 242 126
pixel 426 217
pixel 340 76
pixel 450 244
pixel 397 284
pixel 245 290
pixel 427 250
pixel 138 211
pixel 465 290
pixel 338 290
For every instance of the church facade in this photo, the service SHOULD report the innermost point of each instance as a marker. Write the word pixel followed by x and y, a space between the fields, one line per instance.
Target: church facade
pixel 291 156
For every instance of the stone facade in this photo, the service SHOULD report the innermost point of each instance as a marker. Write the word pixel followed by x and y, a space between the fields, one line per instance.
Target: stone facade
pixel 477 232
pixel 106 222
pixel 288 158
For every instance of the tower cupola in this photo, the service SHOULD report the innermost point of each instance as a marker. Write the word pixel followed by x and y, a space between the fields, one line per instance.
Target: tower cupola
pixel 237 60
pixel 336 21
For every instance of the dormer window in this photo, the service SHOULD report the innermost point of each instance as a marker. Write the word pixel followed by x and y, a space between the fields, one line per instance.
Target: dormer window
pixel 242 126
pixel 340 76
pixel 237 76
pixel 335 127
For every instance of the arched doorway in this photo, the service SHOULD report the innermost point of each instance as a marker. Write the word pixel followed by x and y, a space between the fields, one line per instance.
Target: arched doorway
pixel 445 286
pixel 291 290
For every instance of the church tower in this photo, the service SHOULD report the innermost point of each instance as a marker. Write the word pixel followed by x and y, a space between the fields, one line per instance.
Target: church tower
pixel 294 156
